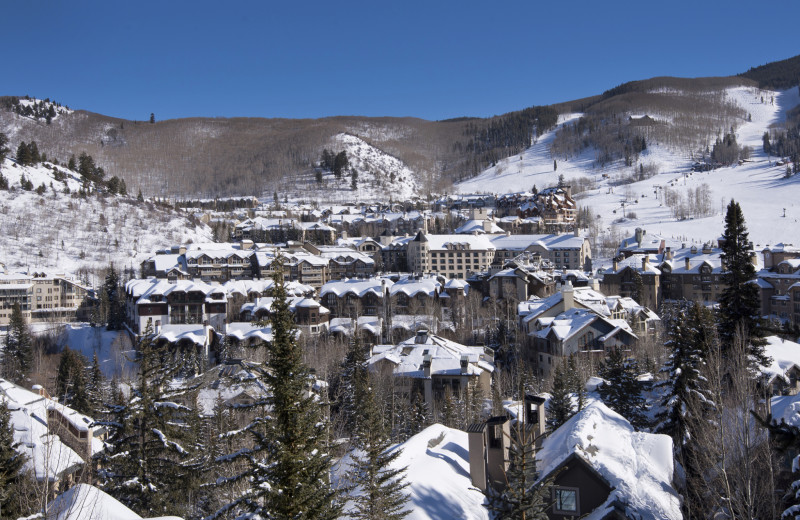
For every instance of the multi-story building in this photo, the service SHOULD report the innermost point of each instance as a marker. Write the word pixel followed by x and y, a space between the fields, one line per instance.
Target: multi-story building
pixel 41 296
pixel 454 256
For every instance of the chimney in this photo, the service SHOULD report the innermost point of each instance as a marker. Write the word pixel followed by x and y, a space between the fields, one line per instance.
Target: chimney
pixel 464 365
pixel 645 262
pixel 576 231
pixel 487 226
pixel 182 250
pixel 534 414
pixel 157 327
pixel 688 263
pixel 754 258
pixel 615 265
pixel 422 337
pixel 568 296
pixel 247 244
pixel 476 433
pixel 344 235
pixel 639 234
pixel 670 254
pixel 426 365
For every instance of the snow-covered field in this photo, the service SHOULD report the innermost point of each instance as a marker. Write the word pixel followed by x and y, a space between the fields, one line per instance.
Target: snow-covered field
pixel 59 231
pixel 757 185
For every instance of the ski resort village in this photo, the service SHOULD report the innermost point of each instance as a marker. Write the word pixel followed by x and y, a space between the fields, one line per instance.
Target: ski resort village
pixel 585 310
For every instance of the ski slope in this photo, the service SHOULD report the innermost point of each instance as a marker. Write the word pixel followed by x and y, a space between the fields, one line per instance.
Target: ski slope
pixel 757 185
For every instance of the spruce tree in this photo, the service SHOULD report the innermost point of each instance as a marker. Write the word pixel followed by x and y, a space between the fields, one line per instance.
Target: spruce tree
pixel 145 463
pixel 11 463
pixel 638 287
pixel 18 352
pixel 622 392
pixel 559 408
pixel 94 387
pixel 521 499
pixel 115 316
pixel 379 487
pixel 739 302
pixel 287 463
pixel 71 384
pixel 3 148
pixel 686 399
pixel 354 387
pixel 575 383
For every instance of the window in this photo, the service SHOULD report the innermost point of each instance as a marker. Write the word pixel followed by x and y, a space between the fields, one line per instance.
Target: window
pixel 565 500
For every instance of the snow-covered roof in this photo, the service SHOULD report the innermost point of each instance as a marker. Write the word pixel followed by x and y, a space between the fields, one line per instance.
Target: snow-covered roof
pixel 428 285
pixel 552 241
pixel 477 226
pixel 46 455
pixel 356 287
pixel 471 242
pixel 445 356
pixel 785 354
pixel 437 470
pixel 345 325
pixel 244 331
pixel 173 333
pixel 637 465
pixel 85 502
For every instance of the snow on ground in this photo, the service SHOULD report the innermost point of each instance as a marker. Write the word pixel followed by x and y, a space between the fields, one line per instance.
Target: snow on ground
pixel 114 349
pixel 757 185
pixel 61 231
pixel 380 176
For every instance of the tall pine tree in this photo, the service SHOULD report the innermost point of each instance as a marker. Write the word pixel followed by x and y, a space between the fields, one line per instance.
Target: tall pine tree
pixel 559 408
pixel 623 392
pixel 287 461
pixel 18 352
pixel 71 384
pixel 739 302
pixel 379 486
pixel 686 398
pixel 145 465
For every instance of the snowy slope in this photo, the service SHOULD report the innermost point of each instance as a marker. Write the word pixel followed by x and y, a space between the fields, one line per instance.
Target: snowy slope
pixel 757 185
pixel 379 176
pixel 55 230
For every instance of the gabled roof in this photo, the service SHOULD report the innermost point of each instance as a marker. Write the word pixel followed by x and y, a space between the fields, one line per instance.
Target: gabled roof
pixel 445 357
pixel 637 465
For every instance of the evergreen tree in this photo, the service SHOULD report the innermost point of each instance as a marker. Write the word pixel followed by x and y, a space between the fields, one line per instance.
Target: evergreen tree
pixel 23 154
pixel 559 408
pixel 420 414
pixel 94 387
pixel 3 146
pixel 521 499
pixel 11 463
pixel 115 316
pixel 71 385
pixel 622 392
pixel 354 387
pixel 739 302
pixel 139 196
pixel 638 287
pixel 152 118
pixel 340 162
pixel 288 466
pixel 18 352
pixel 71 163
pixel 379 487
pixel 575 383
pixel 555 165
pixel 145 465
pixel 686 399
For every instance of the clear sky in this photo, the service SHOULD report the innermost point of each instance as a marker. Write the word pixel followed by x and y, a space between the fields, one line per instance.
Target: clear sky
pixel 432 59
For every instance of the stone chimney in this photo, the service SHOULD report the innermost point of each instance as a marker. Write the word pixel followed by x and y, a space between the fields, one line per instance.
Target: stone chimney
pixel 534 414
pixel 669 254
pixel 754 258
pixel 247 244
pixel 639 234
pixel 688 263
pixel 645 262
pixel 615 265
pixel 487 226
pixel 568 296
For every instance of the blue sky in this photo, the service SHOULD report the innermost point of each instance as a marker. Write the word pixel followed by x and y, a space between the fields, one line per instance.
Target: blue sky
pixel 433 60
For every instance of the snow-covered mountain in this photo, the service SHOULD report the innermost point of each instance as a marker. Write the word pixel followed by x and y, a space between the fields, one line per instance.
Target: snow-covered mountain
pixel 64 231
pixel 771 203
